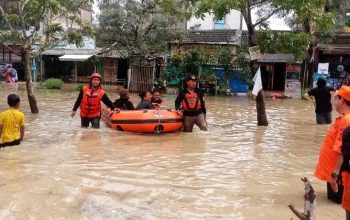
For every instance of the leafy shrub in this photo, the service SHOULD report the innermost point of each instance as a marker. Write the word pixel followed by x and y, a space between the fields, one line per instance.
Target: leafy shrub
pixel 53 83
pixel 79 86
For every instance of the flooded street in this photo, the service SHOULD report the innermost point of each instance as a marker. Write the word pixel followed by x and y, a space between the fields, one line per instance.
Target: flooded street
pixel 236 170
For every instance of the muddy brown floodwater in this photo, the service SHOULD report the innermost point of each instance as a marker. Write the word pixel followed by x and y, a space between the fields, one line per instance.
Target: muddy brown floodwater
pixel 236 170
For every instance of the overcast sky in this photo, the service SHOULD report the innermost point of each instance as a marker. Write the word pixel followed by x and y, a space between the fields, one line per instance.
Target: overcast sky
pixel 275 23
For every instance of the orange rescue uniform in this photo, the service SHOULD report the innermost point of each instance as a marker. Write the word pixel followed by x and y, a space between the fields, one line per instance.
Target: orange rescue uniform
pixel 331 148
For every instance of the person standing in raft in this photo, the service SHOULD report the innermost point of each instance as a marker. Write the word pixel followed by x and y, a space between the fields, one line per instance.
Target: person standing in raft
pixel 156 98
pixel 145 101
pixel 89 101
pixel 322 94
pixel 192 102
pixel 330 158
pixel 123 102
pixel 12 123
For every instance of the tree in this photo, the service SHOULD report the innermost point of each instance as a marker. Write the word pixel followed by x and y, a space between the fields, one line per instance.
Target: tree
pixel 181 67
pixel 137 28
pixel 225 60
pixel 265 9
pixel 20 21
pixel 309 18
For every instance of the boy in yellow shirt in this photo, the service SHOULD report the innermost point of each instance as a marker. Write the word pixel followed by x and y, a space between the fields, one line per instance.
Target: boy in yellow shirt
pixel 11 123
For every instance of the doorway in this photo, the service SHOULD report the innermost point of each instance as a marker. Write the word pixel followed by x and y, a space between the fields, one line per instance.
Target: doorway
pixel 279 77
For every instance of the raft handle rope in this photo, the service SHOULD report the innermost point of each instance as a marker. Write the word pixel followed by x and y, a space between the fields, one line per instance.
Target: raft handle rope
pixel 158 127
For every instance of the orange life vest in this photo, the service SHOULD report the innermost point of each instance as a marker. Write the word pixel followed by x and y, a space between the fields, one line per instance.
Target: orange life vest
pixel 331 148
pixel 191 102
pixel 90 106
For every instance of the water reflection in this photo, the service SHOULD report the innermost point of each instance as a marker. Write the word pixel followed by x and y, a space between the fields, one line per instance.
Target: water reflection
pixel 235 171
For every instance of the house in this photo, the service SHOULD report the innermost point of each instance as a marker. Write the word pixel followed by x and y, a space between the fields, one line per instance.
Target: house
pixel 279 72
pixel 114 66
pixel 48 64
pixel 68 62
pixel 70 65
pixel 337 54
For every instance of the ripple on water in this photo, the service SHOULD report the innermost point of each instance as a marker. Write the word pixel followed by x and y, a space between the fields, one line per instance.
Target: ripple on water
pixel 236 170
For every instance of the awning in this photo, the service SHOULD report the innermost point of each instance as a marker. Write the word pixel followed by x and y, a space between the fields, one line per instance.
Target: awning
pixel 74 57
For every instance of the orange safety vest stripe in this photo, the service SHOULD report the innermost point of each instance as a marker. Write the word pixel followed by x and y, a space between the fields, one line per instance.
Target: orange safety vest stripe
pixel 191 102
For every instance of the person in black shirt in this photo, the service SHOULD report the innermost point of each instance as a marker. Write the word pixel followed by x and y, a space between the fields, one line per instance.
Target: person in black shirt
pixel 322 95
pixel 123 102
pixel 192 103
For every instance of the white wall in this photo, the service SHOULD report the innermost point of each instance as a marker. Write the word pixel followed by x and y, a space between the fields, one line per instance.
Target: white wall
pixel 232 21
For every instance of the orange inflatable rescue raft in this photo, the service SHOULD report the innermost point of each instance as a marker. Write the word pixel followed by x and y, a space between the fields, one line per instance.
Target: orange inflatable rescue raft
pixel 143 121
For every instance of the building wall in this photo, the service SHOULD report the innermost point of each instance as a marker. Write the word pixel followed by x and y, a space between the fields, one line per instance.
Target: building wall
pixel 84 15
pixel 6 56
pixel 232 21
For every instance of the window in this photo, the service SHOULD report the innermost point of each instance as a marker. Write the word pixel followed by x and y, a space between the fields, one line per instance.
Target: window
pixel 219 24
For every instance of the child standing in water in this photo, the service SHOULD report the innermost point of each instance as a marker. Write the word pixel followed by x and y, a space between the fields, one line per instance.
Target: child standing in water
pixel 12 123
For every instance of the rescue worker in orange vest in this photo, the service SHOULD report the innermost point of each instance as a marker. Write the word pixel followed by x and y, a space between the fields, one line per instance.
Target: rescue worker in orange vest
pixel 330 158
pixel 192 103
pixel 89 101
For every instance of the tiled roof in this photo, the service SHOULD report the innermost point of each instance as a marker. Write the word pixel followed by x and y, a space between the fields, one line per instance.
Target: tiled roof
pixel 276 58
pixel 334 46
pixel 212 37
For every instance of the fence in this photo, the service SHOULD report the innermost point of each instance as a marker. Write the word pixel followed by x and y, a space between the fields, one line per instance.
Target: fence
pixel 142 78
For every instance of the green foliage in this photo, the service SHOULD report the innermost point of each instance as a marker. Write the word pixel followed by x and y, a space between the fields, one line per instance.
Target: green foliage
pixel 181 67
pixel 17 16
pixel 53 83
pixel 75 37
pixel 284 42
pixel 225 60
pixel 79 86
pixel 89 29
pixel 189 64
pixel 138 28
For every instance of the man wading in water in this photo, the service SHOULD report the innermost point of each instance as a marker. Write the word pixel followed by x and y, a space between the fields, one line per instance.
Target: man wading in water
pixel 89 101
pixel 330 158
pixel 193 106
pixel 322 94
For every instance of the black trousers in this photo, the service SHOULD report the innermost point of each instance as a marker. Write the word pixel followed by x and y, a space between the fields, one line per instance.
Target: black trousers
pixel 12 143
pixel 95 122
pixel 335 196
